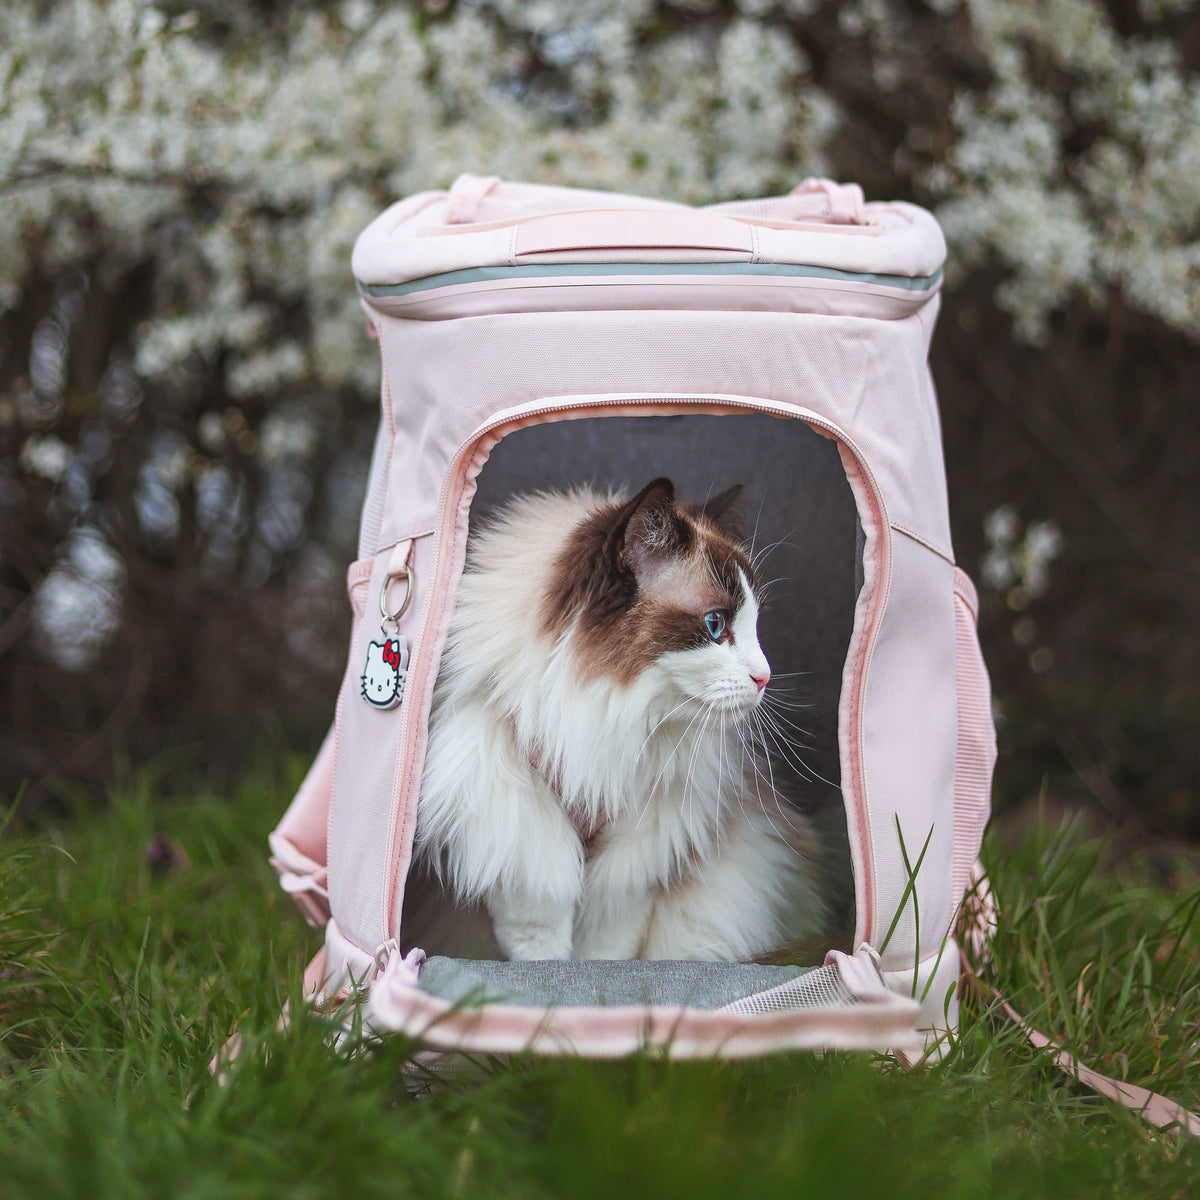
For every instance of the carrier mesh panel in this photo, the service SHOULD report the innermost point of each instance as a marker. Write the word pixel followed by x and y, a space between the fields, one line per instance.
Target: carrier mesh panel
pixel 819 988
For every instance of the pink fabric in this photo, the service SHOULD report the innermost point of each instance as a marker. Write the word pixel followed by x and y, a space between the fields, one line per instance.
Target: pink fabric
pixel 306 881
pixel 975 756
pixel 615 229
pixel 447 378
pixel 369 757
pixel 316 975
pixel 357 581
pixel 898 753
pixel 616 1032
pixel 1159 1110
pixel 300 843
pixel 301 838
pixel 908 730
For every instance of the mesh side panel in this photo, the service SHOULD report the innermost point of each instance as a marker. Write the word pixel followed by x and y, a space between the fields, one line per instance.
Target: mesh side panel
pixel 822 988
pixel 976 745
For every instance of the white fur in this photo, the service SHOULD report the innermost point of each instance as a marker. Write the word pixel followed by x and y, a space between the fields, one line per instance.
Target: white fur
pixel 695 857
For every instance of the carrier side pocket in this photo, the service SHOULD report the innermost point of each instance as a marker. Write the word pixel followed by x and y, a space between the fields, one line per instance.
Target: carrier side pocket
pixel 976 748
pixel 300 842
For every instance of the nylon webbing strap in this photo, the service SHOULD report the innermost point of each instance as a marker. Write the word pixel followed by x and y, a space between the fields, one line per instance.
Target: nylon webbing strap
pixel 1151 1106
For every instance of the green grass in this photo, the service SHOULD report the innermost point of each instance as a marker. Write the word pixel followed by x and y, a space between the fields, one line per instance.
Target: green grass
pixel 118 983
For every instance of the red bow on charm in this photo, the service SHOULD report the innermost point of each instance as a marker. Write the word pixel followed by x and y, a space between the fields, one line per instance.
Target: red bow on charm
pixel 391 654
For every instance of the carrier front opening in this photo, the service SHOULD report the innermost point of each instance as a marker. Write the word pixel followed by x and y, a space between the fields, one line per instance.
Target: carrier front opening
pixel 626 576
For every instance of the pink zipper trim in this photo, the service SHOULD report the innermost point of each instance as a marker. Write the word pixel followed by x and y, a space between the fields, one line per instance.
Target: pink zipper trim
pixel 815 294
pixel 401 822
pixel 877 577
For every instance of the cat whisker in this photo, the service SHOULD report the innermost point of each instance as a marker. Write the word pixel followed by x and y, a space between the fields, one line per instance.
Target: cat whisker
pixel 777 797
pixel 757 522
pixel 789 684
pixel 789 752
pixel 688 795
pixel 785 701
pixel 659 724
pixel 769 724
pixel 763 586
pixel 783 808
pixel 759 554
pixel 666 764
pixel 783 722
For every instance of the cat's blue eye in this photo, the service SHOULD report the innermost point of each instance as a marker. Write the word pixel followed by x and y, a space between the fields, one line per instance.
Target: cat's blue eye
pixel 714 622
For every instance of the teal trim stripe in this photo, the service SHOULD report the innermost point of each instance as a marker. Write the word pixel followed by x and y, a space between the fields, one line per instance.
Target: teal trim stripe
pixel 910 283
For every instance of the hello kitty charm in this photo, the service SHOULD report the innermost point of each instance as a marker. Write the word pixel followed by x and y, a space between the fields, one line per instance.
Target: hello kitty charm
pixel 387 660
pixel 385 673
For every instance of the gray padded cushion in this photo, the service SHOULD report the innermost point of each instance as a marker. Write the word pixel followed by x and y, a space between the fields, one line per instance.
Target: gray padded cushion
pixel 603 982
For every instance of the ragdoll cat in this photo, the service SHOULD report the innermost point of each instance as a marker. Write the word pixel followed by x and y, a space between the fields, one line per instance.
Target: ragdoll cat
pixel 588 776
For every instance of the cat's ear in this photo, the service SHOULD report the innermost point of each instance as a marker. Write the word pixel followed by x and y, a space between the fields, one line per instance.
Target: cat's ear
pixel 721 511
pixel 648 528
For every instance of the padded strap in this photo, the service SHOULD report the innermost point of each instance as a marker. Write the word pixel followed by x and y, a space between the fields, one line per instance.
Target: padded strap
pixel 1159 1110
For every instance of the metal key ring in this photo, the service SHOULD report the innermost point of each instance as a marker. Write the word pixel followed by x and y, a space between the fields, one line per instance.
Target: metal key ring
pixel 393 618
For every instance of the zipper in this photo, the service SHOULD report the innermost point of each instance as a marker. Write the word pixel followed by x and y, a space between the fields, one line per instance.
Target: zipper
pixel 786 288
pixel 403 782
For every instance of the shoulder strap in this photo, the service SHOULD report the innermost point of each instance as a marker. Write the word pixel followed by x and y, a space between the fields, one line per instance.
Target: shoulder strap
pixel 1159 1110
pixel 977 917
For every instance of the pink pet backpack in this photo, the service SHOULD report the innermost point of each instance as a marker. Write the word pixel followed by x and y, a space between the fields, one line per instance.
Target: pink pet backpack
pixel 538 337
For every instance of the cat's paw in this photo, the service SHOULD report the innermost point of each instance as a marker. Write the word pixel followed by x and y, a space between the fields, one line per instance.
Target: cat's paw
pixel 617 939
pixel 613 930
pixel 528 943
pixel 529 929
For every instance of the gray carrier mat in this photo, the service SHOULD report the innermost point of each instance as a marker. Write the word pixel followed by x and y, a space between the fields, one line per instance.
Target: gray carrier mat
pixel 558 984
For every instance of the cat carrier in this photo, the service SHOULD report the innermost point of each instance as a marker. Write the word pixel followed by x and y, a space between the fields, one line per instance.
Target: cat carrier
pixel 540 338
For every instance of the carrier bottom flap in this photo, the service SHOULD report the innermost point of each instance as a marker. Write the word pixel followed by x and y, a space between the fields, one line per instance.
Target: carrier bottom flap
pixel 840 1005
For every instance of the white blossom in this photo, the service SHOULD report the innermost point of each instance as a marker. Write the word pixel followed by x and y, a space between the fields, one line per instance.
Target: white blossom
pixel 1121 212
pixel 77 607
pixel 1013 560
pixel 46 456
pixel 287 433
pixel 112 113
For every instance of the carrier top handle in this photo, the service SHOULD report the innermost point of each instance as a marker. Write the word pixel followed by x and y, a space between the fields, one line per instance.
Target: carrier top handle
pixel 636 229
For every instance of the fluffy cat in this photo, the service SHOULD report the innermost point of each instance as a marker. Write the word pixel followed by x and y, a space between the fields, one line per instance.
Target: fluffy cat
pixel 589 776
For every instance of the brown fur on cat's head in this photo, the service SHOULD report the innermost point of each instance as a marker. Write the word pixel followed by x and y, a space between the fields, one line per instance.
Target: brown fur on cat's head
pixel 640 574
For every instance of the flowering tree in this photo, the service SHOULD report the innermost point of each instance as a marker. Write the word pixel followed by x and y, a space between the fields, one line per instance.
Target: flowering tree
pixel 187 399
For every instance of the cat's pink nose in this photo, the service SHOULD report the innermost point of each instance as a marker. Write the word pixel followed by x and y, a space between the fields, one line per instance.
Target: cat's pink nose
pixel 761 681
